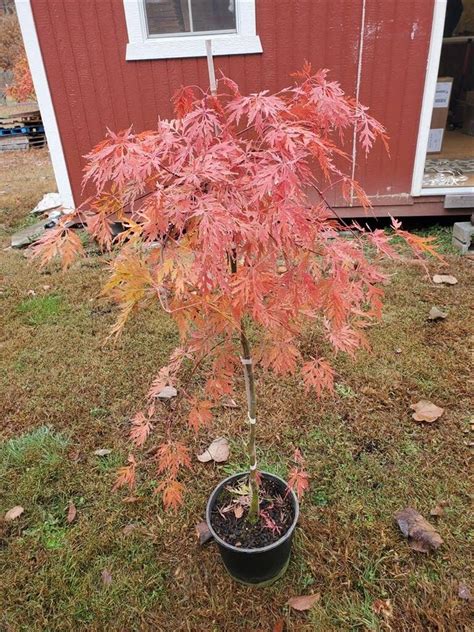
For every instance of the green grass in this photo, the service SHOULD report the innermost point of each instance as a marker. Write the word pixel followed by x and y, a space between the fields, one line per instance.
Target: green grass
pixel 38 447
pixel 41 310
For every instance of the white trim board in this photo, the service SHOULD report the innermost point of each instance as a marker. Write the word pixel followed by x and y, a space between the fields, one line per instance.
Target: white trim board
pixel 432 67
pixel 141 46
pixel 43 95
pixel 447 190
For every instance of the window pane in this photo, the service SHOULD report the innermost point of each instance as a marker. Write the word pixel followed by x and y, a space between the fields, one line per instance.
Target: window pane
pixel 213 15
pixel 165 17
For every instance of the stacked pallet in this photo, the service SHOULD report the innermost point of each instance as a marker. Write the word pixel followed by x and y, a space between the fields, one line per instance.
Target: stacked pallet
pixel 21 127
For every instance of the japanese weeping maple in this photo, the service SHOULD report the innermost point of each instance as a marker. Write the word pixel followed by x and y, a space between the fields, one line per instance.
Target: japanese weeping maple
pixel 227 223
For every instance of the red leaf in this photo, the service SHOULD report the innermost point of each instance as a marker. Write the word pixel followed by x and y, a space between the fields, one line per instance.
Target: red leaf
pixel 298 479
pixel 318 374
pixel 279 625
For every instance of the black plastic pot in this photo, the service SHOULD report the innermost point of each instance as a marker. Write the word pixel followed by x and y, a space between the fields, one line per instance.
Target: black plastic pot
pixel 259 566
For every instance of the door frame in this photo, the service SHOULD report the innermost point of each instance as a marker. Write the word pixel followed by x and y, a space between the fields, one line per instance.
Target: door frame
pixel 432 68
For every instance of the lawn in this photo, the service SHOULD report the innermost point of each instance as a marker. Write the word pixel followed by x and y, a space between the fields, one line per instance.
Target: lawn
pixel 127 566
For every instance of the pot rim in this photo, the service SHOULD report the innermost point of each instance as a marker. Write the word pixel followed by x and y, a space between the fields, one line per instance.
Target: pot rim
pixel 261 549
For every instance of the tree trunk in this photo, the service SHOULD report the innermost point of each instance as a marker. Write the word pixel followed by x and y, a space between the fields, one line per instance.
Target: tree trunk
pixel 251 406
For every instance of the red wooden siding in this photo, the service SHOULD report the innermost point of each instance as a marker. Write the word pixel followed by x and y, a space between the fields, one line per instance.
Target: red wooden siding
pixel 93 87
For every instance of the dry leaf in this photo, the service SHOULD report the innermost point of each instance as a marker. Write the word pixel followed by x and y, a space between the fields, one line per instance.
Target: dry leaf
pixel 426 411
pixel 279 625
pixel 74 455
pixel 102 452
pixel 128 529
pixel 133 499
pixel 71 513
pixel 439 509
pixel 106 577
pixel 167 392
pixel 436 314
pixel 203 533
pixel 464 592
pixel 218 451
pixel 13 513
pixel 383 607
pixel 238 511
pixel 228 402
pixel 449 279
pixel 422 536
pixel 305 602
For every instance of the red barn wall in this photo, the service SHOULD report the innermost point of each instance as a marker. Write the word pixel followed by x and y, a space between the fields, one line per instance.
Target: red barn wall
pixel 93 87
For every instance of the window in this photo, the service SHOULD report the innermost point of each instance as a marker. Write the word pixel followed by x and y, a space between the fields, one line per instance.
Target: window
pixel 188 17
pixel 163 29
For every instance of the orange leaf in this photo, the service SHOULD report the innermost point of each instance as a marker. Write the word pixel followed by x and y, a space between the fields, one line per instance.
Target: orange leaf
pixel 171 456
pixel 200 415
pixel 141 428
pixel 172 491
pixel 126 474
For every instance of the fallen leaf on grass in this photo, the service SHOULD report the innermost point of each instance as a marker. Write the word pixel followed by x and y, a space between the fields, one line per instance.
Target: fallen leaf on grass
pixel 203 533
pixel 422 536
pixel 13 513
pixel 218 451
pixel 305 602
pixel 439 509
pixel 102 452
pixel 106 577
pixel 436 314
pixel 133 499
pixel 449 279
pixel 464 592
pixel 228 402
pixel 74 455
pixel 426 411
pixel 279 626
pixel 71 513
pixel 167 392
pixel 383 607
pixel 128 528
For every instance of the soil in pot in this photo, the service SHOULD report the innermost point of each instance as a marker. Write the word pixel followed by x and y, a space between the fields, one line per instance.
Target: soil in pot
pixel 229 514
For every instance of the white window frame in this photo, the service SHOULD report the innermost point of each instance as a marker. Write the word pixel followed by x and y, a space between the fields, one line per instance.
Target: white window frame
pixel 141 46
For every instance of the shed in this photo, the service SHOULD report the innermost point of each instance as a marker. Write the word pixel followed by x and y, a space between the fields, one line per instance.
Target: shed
pixel 101 64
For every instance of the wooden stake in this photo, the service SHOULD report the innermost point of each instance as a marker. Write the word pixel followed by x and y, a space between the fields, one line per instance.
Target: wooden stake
pixel 210 68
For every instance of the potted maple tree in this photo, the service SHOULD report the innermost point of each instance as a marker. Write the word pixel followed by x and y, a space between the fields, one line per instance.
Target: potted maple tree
pixel 228 229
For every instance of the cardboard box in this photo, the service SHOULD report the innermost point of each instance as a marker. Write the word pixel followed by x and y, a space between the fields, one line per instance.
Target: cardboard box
pixel 440 114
